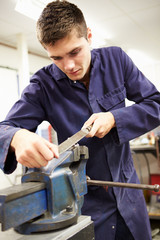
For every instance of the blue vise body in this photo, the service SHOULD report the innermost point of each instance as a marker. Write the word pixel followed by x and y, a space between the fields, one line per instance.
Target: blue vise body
pixel 48 198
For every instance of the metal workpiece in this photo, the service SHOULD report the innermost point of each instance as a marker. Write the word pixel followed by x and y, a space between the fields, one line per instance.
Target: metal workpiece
pixel 71 141
pixel 57 197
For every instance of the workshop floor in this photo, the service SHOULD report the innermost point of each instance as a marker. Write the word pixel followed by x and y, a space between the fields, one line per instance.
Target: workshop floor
pixel 155 226
pixel 154 215
pixel 157 237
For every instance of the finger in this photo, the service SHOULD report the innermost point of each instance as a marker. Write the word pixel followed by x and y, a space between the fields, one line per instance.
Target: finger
pixel 93 130
pixel 29 163
pixel 100 133
pixel 33 156
pixel 45 150
pixel 90 121
pixel 26 164
pixel 38 162
pixel 54 149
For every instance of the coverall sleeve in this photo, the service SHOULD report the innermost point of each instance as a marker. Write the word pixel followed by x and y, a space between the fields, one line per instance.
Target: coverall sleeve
pixel 26 113
pixel 8 161
pixel 144 115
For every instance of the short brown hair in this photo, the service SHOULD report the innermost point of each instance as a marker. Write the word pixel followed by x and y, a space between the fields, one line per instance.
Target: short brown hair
pixel 57 20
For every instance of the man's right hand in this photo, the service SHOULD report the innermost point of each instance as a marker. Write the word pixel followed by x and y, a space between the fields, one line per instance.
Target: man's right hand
pixel 31 150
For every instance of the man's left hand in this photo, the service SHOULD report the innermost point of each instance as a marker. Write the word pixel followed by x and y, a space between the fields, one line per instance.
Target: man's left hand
pixel 102 123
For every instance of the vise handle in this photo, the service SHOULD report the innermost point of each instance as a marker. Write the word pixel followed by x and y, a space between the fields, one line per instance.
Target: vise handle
pixel 155 187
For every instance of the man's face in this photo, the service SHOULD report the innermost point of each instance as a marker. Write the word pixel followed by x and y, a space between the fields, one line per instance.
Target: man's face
pixel 72 55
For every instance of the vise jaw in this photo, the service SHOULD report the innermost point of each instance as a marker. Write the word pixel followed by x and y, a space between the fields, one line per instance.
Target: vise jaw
pixel 49 198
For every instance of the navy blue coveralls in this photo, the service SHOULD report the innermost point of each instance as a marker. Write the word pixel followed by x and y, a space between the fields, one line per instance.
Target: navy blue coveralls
pixel 66 105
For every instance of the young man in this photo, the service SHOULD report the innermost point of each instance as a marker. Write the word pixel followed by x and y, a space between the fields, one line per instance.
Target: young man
pixel 80 88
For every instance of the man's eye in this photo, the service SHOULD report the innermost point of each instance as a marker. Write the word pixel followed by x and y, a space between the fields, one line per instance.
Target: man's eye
pixel 75 52
pixel 56 58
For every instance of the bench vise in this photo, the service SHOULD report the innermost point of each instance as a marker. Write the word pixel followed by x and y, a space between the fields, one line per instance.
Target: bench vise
pixel 48 198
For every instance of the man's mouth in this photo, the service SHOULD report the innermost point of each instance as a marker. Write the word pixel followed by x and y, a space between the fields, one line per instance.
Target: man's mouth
pixel 74 72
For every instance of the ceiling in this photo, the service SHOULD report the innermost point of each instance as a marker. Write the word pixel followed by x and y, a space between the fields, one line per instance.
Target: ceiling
pixel 130 24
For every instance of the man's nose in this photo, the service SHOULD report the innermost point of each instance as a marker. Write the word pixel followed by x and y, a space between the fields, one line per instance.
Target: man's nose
pixel 69 64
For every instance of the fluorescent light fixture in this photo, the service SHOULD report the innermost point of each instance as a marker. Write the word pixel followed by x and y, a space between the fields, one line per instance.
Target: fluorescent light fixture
pixel 31 8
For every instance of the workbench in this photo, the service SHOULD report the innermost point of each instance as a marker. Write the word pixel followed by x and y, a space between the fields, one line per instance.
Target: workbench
pixel 83 230
pixel 146 148
pixel 154 204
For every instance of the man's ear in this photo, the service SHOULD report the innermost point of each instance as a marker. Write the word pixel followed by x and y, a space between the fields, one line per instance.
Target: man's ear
pixel 89 35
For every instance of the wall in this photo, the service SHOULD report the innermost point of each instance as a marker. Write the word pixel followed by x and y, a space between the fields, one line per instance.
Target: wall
pixel 9 94
pixel 9 58
pixel 152 72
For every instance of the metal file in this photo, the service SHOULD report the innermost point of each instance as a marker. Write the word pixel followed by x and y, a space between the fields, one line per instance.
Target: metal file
pixel 67 144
